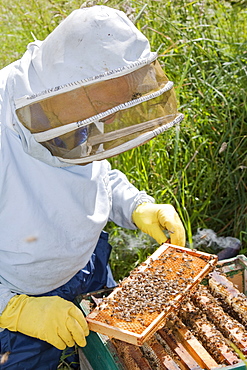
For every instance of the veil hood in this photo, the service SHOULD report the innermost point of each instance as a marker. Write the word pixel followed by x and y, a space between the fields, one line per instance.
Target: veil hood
pixel 90 46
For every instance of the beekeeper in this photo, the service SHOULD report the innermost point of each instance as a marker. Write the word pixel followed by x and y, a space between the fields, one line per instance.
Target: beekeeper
pixel 91 90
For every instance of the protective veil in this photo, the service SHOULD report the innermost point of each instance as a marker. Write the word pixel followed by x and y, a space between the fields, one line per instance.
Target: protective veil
pixel 93 89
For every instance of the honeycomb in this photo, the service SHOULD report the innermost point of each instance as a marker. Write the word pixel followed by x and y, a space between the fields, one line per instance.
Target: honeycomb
pixel 142 301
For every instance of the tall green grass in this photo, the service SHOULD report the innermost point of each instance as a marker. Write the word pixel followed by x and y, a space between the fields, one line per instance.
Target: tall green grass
pixel 199 167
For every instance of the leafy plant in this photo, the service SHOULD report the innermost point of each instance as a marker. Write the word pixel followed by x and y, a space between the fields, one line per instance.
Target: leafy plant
pixel 199 167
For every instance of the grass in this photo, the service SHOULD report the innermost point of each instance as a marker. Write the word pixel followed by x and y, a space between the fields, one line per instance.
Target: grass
pixel 199 167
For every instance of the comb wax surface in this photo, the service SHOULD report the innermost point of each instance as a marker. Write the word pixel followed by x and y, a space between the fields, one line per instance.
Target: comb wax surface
pixel 138 307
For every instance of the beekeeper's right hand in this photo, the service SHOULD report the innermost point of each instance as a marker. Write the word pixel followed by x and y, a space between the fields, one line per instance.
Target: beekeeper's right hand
pixel 52 319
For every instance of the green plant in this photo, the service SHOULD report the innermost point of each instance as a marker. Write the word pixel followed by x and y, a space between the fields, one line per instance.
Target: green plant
pixel 199 167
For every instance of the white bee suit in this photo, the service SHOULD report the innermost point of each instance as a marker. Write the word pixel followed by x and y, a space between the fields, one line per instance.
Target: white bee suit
pixel 52 212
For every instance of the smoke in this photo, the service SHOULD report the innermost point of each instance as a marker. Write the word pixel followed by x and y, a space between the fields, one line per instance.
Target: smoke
pixel 132 241
pixel 205 240
pixel 208 241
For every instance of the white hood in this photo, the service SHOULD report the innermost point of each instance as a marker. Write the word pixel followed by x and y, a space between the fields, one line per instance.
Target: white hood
pixel 90 45
pixel 89 42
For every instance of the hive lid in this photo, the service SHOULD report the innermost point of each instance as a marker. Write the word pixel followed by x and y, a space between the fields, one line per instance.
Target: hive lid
pixel 138 307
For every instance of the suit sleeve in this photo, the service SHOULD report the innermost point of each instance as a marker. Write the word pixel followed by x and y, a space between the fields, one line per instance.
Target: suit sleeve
pixel 5 296
pixel 125 198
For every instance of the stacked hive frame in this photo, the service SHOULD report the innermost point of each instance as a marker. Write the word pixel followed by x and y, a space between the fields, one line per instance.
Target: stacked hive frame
pixel 208 330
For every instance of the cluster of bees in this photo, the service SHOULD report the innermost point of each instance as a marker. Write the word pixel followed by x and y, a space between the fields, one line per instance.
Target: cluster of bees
pixel 153 287
pixel 206 331
pixel 210 306
pixel 204 318
pixel 229 297
pixel 152 296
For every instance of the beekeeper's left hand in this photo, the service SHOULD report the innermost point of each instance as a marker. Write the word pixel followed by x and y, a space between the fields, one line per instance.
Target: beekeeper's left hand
pixel 152 219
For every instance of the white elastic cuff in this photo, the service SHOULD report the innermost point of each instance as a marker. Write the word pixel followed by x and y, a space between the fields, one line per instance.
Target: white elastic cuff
pixel 142 197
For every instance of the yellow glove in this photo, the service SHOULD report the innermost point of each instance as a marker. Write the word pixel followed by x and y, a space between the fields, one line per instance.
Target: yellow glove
pixel 52 319
pixel 152 219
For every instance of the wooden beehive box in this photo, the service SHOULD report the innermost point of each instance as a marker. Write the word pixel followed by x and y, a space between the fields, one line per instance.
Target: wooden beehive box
pixel 236 270
pixel 138 307
pixel 100 352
